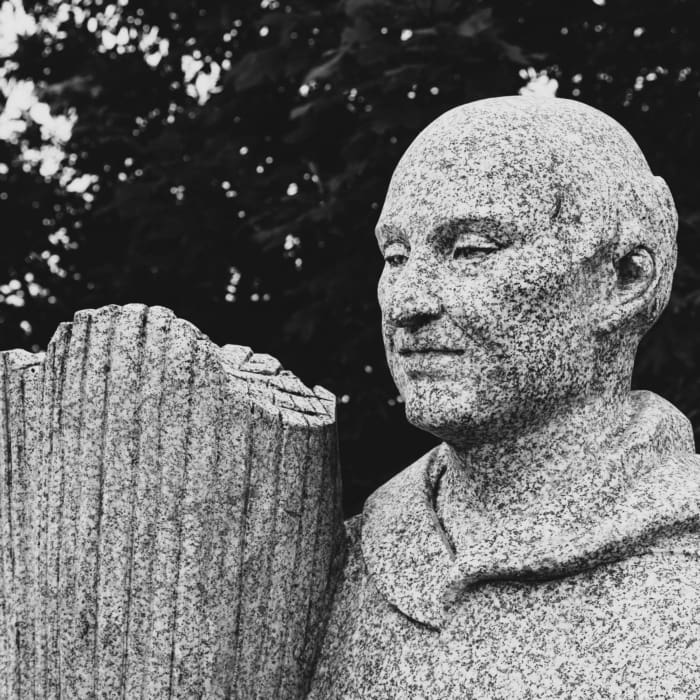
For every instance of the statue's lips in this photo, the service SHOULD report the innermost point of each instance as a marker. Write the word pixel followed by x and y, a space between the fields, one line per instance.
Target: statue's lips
pixel 431 363
pixel 429 351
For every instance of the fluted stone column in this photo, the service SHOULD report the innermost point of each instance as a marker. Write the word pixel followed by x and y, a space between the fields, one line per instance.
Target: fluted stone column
pixel 169 515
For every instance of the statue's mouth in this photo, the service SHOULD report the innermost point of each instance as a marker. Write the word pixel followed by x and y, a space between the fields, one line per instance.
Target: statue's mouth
pixel 430 362
pixel 430 351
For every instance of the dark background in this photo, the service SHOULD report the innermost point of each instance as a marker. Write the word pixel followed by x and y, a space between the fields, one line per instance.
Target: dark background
pixel 192 206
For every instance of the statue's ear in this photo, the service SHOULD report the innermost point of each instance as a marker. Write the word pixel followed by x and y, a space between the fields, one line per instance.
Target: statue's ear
pixel 632 293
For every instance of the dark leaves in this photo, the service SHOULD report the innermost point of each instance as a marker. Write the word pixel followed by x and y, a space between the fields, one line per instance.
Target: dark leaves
pixel 475 24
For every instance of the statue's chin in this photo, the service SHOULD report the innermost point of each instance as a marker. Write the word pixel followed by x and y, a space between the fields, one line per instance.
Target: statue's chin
pixel 443 421
pixel 461 422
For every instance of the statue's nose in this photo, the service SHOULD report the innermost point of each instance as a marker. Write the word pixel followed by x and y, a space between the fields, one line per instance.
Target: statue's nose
pixel 414 301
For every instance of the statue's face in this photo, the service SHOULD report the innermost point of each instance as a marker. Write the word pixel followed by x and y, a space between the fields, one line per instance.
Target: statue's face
pixel 486 310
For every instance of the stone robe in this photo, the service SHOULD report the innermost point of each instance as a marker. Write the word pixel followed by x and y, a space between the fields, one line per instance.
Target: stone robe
pixel 610 609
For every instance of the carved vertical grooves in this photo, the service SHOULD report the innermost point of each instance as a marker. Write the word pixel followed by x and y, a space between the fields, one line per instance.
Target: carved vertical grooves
pixel 75 402
pixel 268 503
pixel 284 684
pixel 16 448
pixel 119 431
pixel 147 503
pixel 316 560
pixel 182 496
pixel 104 426
pixel 259 516
pixel 167 516
pixel 47 531
pixel 133 468
pixel 27 414
pixel 172 435
pixel 245 451
pixel 7 651
pixel 56 494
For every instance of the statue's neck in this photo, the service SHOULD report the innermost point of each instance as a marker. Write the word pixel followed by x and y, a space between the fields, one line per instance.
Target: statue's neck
pixel 555 475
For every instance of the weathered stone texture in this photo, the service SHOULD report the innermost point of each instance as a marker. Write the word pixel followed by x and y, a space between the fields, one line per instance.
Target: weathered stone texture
pixel 169 518
pixel 169 515
pixel 550 547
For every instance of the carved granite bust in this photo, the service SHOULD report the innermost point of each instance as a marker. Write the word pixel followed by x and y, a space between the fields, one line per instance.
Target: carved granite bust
pixel 170 522
pixel 549 546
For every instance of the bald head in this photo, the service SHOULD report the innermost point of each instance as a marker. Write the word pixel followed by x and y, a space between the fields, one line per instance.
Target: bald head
pixel 532 132
pixel 544 164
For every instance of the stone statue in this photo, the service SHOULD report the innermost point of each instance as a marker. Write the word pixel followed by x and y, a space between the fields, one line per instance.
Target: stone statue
pixel 549 547
pixel 169 510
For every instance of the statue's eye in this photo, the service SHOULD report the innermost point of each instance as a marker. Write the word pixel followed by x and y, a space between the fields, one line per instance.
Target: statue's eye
pixel 396 254
pixel 464 251
pixel 472 248
pixel 396 260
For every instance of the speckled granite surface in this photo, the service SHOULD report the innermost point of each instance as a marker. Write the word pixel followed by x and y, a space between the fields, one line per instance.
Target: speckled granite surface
pixel 169 510
pixel 609 611
pixel 549 547
pixel 168 515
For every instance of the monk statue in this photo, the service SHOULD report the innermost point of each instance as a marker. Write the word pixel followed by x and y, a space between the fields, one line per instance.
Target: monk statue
pixel 550 546
pixel 169 510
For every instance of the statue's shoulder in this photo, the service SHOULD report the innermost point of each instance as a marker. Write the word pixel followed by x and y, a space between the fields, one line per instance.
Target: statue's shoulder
pixel 653 597
pixel 655 616
pixel 656 584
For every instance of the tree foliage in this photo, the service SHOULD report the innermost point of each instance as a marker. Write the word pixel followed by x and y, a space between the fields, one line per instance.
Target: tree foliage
pixel 249 209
